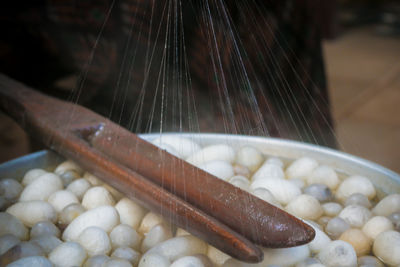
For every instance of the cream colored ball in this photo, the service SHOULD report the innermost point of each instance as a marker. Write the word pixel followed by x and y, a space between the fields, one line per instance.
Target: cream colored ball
pixel 360 241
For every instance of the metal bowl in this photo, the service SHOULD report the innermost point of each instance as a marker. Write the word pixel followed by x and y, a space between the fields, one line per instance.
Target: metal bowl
pixel 385 180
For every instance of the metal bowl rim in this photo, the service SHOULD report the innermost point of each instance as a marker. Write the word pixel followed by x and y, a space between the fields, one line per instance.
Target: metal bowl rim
pixel 284 143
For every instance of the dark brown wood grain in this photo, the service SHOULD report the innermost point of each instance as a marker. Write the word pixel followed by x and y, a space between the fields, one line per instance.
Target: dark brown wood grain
pixel 257 220
pixel 226 217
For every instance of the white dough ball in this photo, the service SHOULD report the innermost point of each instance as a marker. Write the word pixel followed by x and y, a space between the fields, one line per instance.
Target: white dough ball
pixel 60 199
pixel 95 241
pixel 376 225
pixel 183 146
pixel 68 165
pixel 79 187
pixel 97 196
pixel 358 199
pixel 104 217
pixel 154 259
pixel 42 187
pixel 211 153
pixel 149 221
pixel 93 180
pixel 283 190
pixel 387 247
pixel 275 160
pixel 355 215
pixel 32 175
pixel 301 168
pixel 125 236
pixel 306 207
pixel 360 242
pixel 21 250
pixel 10 224
pixel 128 254
pixel 236 263
pixel 320 191
pixel 285 256
pixel 32 212
pixel 31 261
pixel 178 247
pixel 69 213
pixel 7 241
pixel 338 253
pixel 320 241
pixel 68 254
pixel 369 261
pixel 117 263
pixel 130 213
pixel 336 226
pixel 10 189
pixel 298 182
pixel 388 205
pixel 116 236
pixel 355 184
pixel 157 234
pixel 219 168
pixel 241 170
pixel 268 171
pixel 68 176
pixel 96 261
pixel 310 262
pixel 324 175
pixel 46 242
pixel 44 228
pixel 117 195
pixel 332 209
pixel 307 262
pixel 204 260
pixel 188 261
pixel 249 157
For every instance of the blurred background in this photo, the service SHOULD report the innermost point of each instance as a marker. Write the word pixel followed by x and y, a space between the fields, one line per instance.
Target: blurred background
pixel 363 69
pixel 361 52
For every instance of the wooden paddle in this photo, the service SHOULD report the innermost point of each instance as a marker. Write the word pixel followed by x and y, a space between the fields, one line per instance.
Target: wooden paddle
pixel 223 215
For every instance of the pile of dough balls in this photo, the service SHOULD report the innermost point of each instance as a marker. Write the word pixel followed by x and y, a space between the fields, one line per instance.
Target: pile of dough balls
pixel 69 217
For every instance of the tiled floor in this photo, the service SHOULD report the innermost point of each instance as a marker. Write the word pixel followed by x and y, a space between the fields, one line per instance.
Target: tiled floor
pixel 364 80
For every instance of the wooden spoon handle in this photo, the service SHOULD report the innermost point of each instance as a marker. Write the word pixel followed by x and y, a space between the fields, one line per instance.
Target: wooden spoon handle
pixel 123 159
pixel 64 128
pixel 257 220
